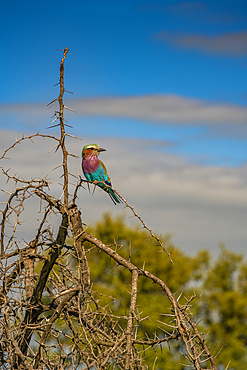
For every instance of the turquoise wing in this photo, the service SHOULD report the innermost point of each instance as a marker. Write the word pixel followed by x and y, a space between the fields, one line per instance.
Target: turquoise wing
pixel 103 173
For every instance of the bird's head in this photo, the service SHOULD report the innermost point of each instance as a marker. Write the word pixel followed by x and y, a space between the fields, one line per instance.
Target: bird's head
pixel 92 149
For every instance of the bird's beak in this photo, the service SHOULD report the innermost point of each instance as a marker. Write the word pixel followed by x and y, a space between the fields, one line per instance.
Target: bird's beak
pixel 101 150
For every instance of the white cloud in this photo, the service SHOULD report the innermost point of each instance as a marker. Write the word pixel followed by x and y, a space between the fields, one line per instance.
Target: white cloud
pixel 200 205
pixel 163 109
pixel 154 108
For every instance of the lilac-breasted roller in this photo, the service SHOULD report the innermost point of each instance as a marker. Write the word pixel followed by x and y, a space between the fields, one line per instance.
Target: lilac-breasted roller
pixel 95 170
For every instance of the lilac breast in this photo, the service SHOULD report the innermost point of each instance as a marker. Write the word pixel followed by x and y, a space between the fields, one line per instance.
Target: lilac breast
pixel 90 164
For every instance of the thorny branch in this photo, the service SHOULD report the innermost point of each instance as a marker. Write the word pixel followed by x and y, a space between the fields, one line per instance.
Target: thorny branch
pixel 25 138
pixel 160 243
pixel 131 317
pixel 50 316
pixel 62 139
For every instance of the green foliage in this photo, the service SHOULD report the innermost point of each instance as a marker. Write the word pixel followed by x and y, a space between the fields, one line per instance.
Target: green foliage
pixel 136 245
pixel 224 307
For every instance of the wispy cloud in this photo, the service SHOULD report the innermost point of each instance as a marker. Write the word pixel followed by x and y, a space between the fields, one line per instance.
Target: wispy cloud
pixel 161 109
pixel 34 109
pixel 204 11
pixel 232 44
pixel 183 7
pixel 197 11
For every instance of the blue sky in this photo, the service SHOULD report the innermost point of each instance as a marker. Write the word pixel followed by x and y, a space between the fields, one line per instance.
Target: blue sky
pixel 194 49
pixel 170 74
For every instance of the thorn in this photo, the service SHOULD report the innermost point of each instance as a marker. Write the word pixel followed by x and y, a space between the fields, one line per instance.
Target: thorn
pixel 70 92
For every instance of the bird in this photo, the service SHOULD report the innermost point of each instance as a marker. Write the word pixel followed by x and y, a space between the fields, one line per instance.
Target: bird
pixel 95 170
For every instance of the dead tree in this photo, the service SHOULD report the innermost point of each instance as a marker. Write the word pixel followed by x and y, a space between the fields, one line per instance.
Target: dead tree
pixel 50 316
